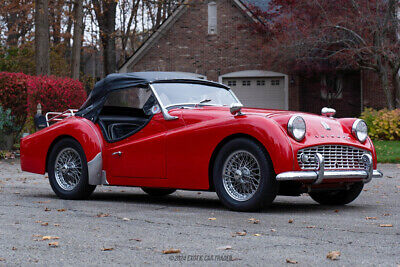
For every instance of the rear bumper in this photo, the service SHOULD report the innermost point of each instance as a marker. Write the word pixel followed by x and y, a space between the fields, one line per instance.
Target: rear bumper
pixel 320 175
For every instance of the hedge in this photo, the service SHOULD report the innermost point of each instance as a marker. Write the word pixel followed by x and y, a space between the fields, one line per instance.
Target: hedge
pixel 21 93
pixel 382 124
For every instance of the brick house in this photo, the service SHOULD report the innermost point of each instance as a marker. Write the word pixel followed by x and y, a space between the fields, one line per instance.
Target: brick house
pixel 207 39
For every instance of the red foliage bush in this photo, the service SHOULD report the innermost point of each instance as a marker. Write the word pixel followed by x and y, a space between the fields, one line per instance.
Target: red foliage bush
pixel 54 93
pixel 13 95
pixel 21 93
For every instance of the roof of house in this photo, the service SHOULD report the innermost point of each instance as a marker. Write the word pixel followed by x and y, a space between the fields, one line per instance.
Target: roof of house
pixel 167 24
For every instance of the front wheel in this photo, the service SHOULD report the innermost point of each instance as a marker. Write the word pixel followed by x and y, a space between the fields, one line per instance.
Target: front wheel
pixel 338 197
pixel 243 176
pixel 68 170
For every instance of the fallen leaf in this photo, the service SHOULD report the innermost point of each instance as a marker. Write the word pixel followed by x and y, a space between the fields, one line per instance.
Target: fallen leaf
pixel 365 190
pixel 253 221
pixel 136 239
pixel 49 237
pixel 17 193
pixel 53 244
pixel 257 235
pixel 61 210
pixel 14 248
pixel 56 224
pixel 47 209
pixel 126 219
pixel 371 218
pixel 171 251
pixel 240 234
pixel 107 249
pixel 273 230
pixel 333 255
pixel 336 211
pixel 42 202
pixel 385 225
pixel 291 261
pixel 212 219
pixel 290 221
pixel 45 224
pixel 38 221
pixel 225 248
pixel 35 235
pixel 101 215
pixel 310 226
pixel 2 259
pixel 386 214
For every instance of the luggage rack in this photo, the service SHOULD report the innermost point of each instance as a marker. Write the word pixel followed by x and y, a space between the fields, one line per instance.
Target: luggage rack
pixel 53 117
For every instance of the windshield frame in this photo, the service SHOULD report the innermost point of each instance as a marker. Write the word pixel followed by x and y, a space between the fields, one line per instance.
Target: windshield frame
pixel 171 106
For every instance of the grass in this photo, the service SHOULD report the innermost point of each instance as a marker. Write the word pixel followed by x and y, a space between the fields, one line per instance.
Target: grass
pixel 388 151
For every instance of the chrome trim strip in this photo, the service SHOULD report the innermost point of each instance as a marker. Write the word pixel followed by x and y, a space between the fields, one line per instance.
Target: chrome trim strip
pixel 321 168
pixel 312 175
pixel 95 167
pixel 164 111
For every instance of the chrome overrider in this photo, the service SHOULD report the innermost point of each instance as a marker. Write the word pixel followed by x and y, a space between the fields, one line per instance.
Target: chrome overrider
pixel 320 174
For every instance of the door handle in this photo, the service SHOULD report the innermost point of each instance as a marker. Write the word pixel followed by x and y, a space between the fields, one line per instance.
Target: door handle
pixel 118 153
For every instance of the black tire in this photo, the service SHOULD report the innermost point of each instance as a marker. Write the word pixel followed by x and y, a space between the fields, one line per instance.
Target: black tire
pixel 338 197
pixel 267 188
pixel 82 189
pixel 158 192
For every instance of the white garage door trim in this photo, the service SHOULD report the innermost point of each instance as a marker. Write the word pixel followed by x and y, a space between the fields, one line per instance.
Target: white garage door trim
pixel 260 73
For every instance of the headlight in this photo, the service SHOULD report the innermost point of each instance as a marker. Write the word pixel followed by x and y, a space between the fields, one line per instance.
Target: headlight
pixel 360 130
pixel 297 127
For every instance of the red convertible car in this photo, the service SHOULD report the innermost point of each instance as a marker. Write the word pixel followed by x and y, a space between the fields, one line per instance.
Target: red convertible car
pixel 163 131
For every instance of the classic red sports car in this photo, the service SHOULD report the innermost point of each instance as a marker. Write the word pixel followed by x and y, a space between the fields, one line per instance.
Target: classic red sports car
pixel 165 131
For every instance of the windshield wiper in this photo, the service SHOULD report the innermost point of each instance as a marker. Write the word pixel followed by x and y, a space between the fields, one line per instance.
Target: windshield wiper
pixel 203 102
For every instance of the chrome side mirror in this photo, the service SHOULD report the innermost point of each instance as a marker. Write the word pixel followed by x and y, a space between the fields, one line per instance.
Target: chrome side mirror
pixel 328 112
pixel 236 109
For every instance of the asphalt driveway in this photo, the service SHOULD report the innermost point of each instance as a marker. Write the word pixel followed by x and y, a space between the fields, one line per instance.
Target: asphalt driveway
pixel 121 225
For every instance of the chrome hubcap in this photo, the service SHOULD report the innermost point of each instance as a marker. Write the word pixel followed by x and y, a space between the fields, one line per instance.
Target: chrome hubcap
pixel 241 175
pixel 68 168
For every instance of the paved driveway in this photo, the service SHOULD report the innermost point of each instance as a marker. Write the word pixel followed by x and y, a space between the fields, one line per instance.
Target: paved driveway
pixel 125 226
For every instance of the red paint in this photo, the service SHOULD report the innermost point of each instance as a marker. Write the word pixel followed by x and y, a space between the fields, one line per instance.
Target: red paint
pixel 178 153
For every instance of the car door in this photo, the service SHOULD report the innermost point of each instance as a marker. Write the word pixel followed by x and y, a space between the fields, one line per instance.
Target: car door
pixel 141 155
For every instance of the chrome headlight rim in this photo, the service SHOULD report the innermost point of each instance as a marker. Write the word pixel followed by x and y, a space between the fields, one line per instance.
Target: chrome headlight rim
pixel 356 132
pixel 291 128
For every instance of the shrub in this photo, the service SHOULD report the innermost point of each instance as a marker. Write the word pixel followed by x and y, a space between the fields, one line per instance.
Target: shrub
pixel 7 128
pixel 382 124
pixel 13 95
pixel 54 94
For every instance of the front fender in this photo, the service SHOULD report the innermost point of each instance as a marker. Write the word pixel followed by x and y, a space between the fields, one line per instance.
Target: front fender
pixel 35 148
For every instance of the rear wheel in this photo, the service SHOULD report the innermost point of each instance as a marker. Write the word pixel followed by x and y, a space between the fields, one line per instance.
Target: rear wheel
pixel 243 176
pixel 68 171
pixel 158 192
pixel 338 197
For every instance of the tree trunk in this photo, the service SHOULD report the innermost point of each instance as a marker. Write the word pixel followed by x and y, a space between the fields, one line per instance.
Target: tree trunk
pixel 383 76
pixel 76 49
pixel 42 39
pixel 396 85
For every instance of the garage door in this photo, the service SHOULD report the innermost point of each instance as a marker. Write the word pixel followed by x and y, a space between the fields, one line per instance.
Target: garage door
pixel 259 92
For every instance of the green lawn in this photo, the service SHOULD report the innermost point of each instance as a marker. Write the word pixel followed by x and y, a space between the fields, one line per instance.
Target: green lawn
pixel 388 151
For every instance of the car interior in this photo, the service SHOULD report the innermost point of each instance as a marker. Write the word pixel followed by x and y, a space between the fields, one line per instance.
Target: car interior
pixel 126 112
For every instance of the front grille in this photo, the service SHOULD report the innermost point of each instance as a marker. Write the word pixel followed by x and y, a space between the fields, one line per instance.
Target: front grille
pixel 335 157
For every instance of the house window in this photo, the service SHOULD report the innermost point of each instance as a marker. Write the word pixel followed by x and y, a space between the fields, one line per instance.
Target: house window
pixel 275 82
pixel 246 83
pixel 261 82
pixel 231 83
pixel 212 18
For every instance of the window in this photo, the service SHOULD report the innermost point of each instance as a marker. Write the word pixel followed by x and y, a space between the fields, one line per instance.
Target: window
pixel 261 82
pixel 212 18
pixel 231 83
pixel 275 82
pixel 129 98
pixel 246 83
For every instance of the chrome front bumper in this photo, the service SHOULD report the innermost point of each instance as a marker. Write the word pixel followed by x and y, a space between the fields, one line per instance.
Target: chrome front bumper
pixel 320 175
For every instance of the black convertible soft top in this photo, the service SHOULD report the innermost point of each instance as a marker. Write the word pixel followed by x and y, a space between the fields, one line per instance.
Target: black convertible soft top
pixel 117 81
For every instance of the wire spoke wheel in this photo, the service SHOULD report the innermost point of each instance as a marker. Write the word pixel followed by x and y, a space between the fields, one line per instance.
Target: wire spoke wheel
pixel 241 175
pixel 68 168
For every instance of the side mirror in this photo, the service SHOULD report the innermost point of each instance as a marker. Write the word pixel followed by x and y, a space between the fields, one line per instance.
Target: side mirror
pixel 328 112
pixel 40 121
pixel 236 109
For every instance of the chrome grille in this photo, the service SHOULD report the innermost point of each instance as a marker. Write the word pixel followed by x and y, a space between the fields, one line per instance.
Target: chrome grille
pixel 335 157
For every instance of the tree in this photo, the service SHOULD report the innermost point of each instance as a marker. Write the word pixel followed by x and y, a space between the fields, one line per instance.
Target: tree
pixel 105 11
pixel 42 38
pixel 76 49
pixel 341 34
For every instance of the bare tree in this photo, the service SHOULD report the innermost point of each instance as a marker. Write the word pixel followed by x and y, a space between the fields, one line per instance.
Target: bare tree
pixel 42 37
pixel 78 30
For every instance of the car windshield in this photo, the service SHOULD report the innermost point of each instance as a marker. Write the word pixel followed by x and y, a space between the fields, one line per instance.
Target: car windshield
pixel 175 94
